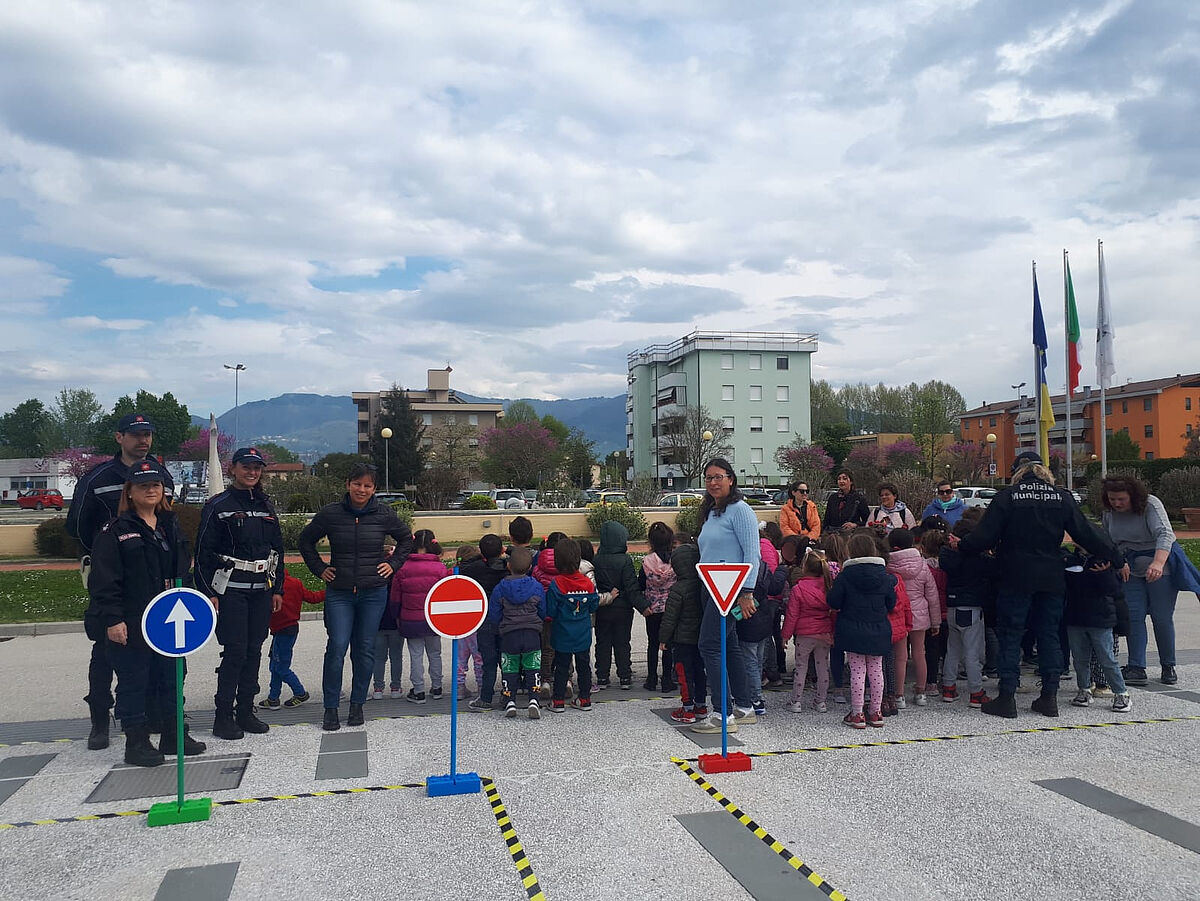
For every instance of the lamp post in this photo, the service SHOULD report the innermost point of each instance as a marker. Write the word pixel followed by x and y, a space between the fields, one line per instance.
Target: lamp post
pixel 991 440
pixel 1020 408
pixel 237 368
pixel 386 434
pixel 707 436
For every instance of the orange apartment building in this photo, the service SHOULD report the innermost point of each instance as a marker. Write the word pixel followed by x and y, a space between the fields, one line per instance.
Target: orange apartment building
pixel 1159 414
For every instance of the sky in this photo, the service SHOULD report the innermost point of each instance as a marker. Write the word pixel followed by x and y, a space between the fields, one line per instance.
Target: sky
pixel 341 196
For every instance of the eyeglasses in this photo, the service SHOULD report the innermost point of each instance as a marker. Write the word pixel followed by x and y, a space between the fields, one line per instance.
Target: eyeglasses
pixel 801 491
pixel 946 491
pixel 719 478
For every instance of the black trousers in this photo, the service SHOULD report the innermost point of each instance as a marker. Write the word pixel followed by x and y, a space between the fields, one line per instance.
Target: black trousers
pixel 653 624
pixel 145 680
pixel 776 663
pixel 694 685
pixel 242 620
pixel 100 677
pixel 614 632
pixel 562 671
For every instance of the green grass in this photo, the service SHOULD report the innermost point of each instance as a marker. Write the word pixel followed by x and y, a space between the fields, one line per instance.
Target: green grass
pixel 41 596
pixel 1191 547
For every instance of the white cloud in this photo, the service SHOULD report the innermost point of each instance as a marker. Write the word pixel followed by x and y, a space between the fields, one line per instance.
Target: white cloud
pixel 90 323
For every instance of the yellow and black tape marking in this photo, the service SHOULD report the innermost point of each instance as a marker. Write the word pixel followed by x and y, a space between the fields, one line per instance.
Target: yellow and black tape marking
pixel 515 849
pixel 759 832
pixel 1066 727
pixel 232 802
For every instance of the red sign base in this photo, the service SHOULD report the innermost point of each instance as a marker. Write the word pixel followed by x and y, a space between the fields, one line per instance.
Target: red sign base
pixel 736 762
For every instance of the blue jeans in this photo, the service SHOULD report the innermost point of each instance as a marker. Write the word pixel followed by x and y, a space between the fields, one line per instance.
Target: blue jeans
pixel 1044 614
pixel 754 657
pixel 351 619
pixel 1158 600
pixel 1085 642
pixel 280 665
pixel 710 651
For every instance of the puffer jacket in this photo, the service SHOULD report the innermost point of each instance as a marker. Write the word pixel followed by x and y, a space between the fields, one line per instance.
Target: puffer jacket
pixel 570 602
pixel 410 585
pixel 911 568
pixel 805 522
pixel 863 594
pixel 901 616
pixel 544 570
pixel 685 604
pixel 656 580
pixel 614 568
pixel 355 543
pixel 1095 599
pixel 808 610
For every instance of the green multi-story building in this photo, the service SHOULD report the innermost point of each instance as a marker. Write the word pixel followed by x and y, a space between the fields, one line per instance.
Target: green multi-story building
pixel 753 385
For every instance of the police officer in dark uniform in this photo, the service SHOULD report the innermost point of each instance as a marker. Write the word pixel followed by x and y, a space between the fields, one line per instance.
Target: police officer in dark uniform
pixel 239 565
pixel 97 496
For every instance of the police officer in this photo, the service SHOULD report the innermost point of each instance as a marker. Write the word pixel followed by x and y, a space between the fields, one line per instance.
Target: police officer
pixel 1025 523
pixel 97 496
pixel 239 565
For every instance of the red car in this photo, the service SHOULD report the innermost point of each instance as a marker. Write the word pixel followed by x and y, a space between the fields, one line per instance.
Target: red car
pixel 40 499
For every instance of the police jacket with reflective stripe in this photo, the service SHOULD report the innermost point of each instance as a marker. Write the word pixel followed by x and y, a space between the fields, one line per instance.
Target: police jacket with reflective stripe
pixel 97 496
pixel 355 543
pixel 242 524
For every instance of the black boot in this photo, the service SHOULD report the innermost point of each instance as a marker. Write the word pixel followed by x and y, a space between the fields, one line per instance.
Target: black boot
pixel 1004 705
pixel 332 723
pixel 355 717
pixel 651 683
pixel 191 747
pixel 98 737
pixel 226 727
pixel 668 685
pixel 138 750
pixel 1169 676
pixel 250 723
pixel 1046 705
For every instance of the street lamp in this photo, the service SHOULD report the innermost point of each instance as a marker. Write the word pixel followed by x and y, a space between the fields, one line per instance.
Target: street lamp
pixel 1020 408
pixel 991 440
pixel 385 433
pixel 237 369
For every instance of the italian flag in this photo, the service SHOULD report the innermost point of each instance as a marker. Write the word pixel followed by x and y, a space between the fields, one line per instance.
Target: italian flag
pixel 1073 367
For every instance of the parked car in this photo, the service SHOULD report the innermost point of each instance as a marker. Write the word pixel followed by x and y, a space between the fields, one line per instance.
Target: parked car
pixel 674 499
pixel 456 503
pixel 757 494
pixel 40 499
pixel 974 496
pixel 196 495
pixel 508 498
pixel 531 498
pixel 611 497
pixel 390 497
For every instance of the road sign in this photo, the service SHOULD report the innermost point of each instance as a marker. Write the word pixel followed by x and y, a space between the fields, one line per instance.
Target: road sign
pixel 991 469
pixel 724 581
pixel 455 607
pixel 178 622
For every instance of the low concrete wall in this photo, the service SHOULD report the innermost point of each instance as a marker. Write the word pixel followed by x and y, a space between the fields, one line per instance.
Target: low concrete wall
pixel 17 541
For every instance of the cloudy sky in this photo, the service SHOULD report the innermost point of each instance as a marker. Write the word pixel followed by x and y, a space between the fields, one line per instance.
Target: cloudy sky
pixel 344 195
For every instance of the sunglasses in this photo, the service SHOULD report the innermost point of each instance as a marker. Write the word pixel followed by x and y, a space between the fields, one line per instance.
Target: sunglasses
pixel 801 491
pixel 947 491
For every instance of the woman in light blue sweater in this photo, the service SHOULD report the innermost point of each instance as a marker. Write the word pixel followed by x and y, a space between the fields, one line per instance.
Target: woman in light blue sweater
pixel 728 534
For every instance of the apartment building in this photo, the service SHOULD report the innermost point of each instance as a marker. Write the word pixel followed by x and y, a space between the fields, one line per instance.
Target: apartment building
pixel 755 384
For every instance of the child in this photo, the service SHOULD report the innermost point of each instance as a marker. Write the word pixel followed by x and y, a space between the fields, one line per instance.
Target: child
pixel 587 554
pixel 1095 605
pixel 285 628
pixel 468 647
pixel 614 622
pixel 389 646
pixel 544 571
pixel 488 570
pixel 863 594
pixel 810 621
pixel 754 634
pixel 833 544
pixel 968 582
pixel 680 632
pixel 775 655
pixel 421 571
pixel 905 562
pixel 791 554
pixel 571 600
pixel 520 531
pixel 930 545
pixel 656 580
pixel 518 609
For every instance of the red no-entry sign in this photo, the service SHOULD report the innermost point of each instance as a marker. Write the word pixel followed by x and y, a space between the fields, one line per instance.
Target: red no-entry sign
pixel 455 607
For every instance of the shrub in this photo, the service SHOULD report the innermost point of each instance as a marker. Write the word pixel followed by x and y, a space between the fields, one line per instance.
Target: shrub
pixel 1179 488
pixel 479 502
pixel 688 517
pixel 404 509
pixel 300 503
pixel 188 516
pixel 915 489
pixel 51 539
pixel 292 524
pixel 633 521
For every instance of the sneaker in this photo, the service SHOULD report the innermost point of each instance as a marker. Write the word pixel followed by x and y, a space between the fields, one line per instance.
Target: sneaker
pixel 510 709
pixel 601 684
pixel 269 704
pixel 875 720
pixel 544 691
pixel 464 693
pixel 1122 703
pixel 889 706
pixel 626 684
pixel 582 703
pixel 397 694
pixel 743 716
pixel 1004 705
pixel 479 704
pixel 435 693
pixel 1101 691
pixel 558 706
pixel 712 725
pixel 535 709
pixel 297 700
pixel 795 706
pixel 839 697
pixel 855 720
pixel 1046 705
pixel 377 694
pixel 1082 699
pixel 1135 675
pixel 919 699
pixel 821 707
pixel 979 698
pixel 1169 676
pixel 701 711
pixel 777 682
pixel 949 693
pixel 417 697
pixel 900 703
pixel 760 708
pixel 683 715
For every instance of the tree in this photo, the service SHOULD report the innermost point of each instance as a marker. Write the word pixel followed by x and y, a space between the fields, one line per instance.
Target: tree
pixel 337 466
pixel 517 412
pixel 78 460
pixel 968 461
pixel 904 455
pixel 23 429
pixel 171 419
pixel 866 464
pixel 451 461
pixel 275 453
pixel 197 448
pixel 1121 447
pixel 73 418
pixel 682 443
pixel 400 458
pixel 556 427
pixel 616 468
pixel 518 456
pixel 805 463
pixel 935 409
pixel 578 458
pixel 834 437
pixel 825 408
pixel 1192 447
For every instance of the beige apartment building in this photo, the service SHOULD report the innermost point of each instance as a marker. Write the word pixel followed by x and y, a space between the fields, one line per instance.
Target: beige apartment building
pixel 437 405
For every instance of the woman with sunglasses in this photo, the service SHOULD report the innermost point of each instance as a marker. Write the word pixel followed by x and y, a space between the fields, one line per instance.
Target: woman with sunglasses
pixel 946 504
pixel 358 573
pixel 799 515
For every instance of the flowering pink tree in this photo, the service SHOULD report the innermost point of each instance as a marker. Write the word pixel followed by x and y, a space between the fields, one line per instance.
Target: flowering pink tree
pixel 78 460
pixel 805 462
pixel 968 461
pixel 904 456
pixel 518 456
pixel 197 448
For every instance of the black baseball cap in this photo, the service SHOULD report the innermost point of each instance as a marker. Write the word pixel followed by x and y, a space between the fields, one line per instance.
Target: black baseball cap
pixel 248 455
pixel 1026 457
pixel 145 471
pixel 135 422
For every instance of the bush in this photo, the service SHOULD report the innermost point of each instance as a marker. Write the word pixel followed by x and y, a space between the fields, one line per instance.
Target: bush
pixel 688 517
pixel 404 509
pixel 188 516
pixel 1180 488
pixel 915 489
pixel 300 503
pixel 292 524
pixel 51 539
pixel 479 502
pixel 633 521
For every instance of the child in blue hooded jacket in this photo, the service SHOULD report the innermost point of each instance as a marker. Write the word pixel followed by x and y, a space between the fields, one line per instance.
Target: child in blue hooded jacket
pixel 571 600
pixel 518 608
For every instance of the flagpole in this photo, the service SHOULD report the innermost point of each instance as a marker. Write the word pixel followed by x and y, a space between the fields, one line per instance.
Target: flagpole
pixel 1037 385
pixel 1102 379
pixel 1067 360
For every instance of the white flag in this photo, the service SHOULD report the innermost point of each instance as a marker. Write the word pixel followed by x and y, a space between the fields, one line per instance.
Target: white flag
pixel 1105 366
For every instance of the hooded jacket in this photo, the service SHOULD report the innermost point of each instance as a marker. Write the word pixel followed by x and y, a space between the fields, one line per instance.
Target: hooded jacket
pixel 518 602
pixel 901 616
pixel 570 602
pixel 970 578
pixel 489 574
pixel 355 543
pixel 685 605
pixel 614 568
pixel 952 512
pixel 544 569
pixel 287 618
pixel 655 580
pixel 806 521
pixel 1094 599
pixel 919 583
pixel 808 610
pixel 863 594
pixel 410 585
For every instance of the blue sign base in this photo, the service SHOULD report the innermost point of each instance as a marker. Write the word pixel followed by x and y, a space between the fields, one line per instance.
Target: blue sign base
pixel 457 784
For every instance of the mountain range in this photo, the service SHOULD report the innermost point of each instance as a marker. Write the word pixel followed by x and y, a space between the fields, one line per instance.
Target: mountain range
pixel 312 425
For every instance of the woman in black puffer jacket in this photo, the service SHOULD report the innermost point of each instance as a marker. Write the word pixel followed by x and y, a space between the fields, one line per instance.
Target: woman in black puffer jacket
pixel 357 573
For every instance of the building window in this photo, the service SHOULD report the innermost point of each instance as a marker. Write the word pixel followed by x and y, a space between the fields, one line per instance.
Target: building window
pixel 756 455
pixel 1147 404
pixel 1108 408
pixel 1187 403
pixel 756 392
pixel 782 393
pixel 1189 430
pixel 726 361
pixel 727 423
pixel 727 392
pixel 991 422
pixel 450 419
pixel 1149 455
pixel 473 442
pixel 472 419
pixel 783 424
pixel 1149 431
pixel 756 361
pixel 426 419
pixel 781 363
pixel 756 424
pixel 1124 406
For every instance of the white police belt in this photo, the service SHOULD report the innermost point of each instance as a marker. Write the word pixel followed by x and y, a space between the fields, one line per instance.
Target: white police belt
pixel 250 566
pixel 246 586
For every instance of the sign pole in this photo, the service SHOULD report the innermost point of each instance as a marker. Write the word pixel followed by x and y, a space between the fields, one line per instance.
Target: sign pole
pixel 724 581
pixel 724 694
pixel 454 708
pixel 179 730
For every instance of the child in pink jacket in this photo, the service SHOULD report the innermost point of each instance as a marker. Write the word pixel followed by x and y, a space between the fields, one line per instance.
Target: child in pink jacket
pixel 906 563
pixel 810 621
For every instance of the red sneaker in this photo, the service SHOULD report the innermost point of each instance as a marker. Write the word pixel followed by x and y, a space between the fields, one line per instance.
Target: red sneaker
pixel 701 711
pixel 558 706
pixel 979 698
pixel 680 715
pixel 855 720
pixel 581 703
pixel 949 693
pixel 875 719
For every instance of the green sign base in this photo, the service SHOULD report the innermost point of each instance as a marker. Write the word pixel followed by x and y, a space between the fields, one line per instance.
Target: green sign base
pixel 170 813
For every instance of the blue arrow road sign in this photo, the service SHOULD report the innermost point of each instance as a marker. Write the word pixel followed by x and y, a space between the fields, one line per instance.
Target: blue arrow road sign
pixel 179 622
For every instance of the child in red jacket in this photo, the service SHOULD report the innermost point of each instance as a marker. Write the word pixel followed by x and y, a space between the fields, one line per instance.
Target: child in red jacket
pixel 810 621
pixel 285 629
